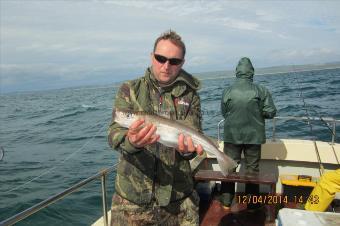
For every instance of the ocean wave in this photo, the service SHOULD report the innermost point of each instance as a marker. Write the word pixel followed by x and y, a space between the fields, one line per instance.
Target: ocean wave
pixel 89 107
pixel 10 196
pixel 12 116
pixel 90 152
pixel 68 140
pixel 335 82
pixel 317 80
pixel 24 167
pixel 315 94
pixel 47 123
pixel 306 88
pixel 290 108
pixel 285 90
pixel 76 113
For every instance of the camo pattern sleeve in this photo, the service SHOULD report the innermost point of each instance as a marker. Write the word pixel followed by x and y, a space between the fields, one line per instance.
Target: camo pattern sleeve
pixel 117 134
pixel 194 120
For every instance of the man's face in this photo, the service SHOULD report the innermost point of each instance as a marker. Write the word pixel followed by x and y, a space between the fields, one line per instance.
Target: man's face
pixel 166 72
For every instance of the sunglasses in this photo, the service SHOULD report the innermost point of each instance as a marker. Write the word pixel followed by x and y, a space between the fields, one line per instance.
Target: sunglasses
pixel 172 61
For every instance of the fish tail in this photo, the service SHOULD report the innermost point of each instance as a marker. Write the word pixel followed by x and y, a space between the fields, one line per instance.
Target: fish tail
pixel 226 164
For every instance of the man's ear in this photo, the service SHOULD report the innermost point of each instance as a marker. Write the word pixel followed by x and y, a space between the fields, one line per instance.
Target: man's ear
pixel 183 61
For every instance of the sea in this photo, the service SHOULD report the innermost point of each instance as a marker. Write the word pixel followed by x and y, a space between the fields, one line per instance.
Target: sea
pixel 54 139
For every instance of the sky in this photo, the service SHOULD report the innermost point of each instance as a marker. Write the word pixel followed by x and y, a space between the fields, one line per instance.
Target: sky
pixel 51 44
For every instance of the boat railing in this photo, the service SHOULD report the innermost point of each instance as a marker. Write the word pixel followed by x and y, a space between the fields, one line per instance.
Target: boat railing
pixel 328 120
pixel 43 204
pixel 103 174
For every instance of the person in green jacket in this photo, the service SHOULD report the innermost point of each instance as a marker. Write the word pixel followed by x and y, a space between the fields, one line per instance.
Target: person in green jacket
pixel 154 183
pixel 245 106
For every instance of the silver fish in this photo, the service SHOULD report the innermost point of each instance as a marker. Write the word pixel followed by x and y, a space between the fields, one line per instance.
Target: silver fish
pixel 169 130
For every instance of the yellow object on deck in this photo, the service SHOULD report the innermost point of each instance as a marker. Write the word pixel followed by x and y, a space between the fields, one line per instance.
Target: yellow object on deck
pixel 298 180
pixel 323 194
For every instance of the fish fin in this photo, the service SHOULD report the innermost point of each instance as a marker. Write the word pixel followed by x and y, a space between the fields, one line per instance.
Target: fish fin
pixel 168 143
pixel 226 164
pixel 213 140
pixel 113 113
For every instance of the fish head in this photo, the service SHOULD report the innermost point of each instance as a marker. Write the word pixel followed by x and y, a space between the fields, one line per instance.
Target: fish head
pixel 124 118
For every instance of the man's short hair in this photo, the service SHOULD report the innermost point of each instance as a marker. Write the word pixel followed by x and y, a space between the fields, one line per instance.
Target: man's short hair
pixel 173 37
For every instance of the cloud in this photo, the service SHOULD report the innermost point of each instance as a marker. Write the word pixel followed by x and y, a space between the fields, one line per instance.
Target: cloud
pixel 304 53
pixel 242 25
pixel 178 8
pixel 49 40
pixel 267 15
pixel 67 41
pixel 196 61
pixel 198 11
pixel 284 36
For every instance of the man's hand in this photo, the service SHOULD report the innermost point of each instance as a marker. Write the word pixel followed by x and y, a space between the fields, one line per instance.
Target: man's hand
pixel 188 146
pixel 141 135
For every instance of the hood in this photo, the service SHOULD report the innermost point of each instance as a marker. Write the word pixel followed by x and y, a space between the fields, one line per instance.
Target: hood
pixel 245 69
pixel 179 85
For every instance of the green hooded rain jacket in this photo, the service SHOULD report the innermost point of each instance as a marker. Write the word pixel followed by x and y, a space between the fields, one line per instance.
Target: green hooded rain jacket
pixel 245 106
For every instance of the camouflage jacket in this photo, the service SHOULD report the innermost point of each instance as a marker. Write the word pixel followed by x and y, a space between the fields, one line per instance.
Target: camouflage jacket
pixel 155 172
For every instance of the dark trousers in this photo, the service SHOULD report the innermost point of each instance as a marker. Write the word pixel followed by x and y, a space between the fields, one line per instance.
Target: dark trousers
pixel 252 155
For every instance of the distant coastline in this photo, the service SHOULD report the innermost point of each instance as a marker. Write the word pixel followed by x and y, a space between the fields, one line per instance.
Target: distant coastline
pixel 210 75
pixel 269 70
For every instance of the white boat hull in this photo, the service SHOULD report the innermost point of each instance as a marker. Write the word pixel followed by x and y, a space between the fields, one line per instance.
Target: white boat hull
pixel 291 157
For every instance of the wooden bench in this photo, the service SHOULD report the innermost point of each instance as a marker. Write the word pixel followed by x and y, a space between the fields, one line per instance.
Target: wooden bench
pixel 253 178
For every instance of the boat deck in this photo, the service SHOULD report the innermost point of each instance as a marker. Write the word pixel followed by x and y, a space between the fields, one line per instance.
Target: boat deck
pixel 211 214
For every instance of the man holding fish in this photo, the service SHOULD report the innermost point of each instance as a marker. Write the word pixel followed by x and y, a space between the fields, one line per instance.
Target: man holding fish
pixel 156 126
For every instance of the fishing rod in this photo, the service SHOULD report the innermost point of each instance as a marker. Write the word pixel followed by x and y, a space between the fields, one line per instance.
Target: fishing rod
pixel 327 126
pixel 309 122
pixel 331 131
